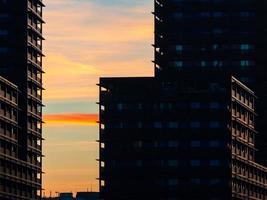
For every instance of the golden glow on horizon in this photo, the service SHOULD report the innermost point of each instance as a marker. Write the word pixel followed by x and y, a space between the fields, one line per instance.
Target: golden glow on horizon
pixel 71 119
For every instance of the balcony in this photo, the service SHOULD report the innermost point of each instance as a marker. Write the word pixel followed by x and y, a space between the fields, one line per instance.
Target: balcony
pixel 35 9
pixel 34 129
pixel 8 97
pixel 35 27
pixel 34 60
pixel 34 146
pixel 34 113
pixel 35 44
pixel 8 115
pixel 34 78
pixel 34 93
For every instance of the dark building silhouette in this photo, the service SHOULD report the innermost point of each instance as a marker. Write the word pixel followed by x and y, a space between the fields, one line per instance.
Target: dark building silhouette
pixel 196 130
pixel 21 64
pixel 79 196
pixel 182 142
pixel 226 37
pixel 66 196
pixel 87 196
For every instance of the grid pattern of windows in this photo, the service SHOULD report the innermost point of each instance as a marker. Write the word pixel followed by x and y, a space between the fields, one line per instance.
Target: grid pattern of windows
pixel 197 35
pixel 246 173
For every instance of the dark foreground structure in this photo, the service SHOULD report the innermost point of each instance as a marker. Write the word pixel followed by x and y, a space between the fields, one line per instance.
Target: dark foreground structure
pixel 197 129
pixel 79 196
pixel 21 99
pixel 168 142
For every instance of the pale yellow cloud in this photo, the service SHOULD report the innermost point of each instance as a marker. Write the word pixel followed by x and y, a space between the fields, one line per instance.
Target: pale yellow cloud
pixel 84 43
pixel 66 79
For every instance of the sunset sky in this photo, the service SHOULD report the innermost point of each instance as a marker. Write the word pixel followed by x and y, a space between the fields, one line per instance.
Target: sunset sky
pixel 86 39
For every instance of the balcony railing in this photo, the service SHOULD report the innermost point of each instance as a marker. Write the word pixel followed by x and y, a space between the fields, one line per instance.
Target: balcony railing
pixel 34 145
pixel 8 115
pixel 34 128
pixel 35 77
pixel 34 94
pixel 34 43
pixel 34 111
pixel 35 9
pixel 34 60
pixel 34 26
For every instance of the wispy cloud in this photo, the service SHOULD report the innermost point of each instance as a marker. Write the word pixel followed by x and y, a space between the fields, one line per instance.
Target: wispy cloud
pixel 86 39
pixel 71 119
pixel 89 39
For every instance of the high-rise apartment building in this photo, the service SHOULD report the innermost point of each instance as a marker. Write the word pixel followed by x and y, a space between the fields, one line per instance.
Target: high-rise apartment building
pixel 220 36
pixel 169 140
pixel 197 129
pixel 21 64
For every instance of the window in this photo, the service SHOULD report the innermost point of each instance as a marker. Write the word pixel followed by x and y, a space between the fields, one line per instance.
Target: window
pixel 179 48
pixel 102 183
pixel 214 181
pixel 139 163
pixel 214 143
pixel 217 63
pixel 173 143
pixel 195 180
pixel 214 163
pixel 3 32
pixel 195 105
pixel 246 47
pixel 138 144
pixel 217 31
pixel 203 64
pixel 120 106
pixel 195 143
pixel 173 124
pixel 218 14
pixel 195 124
pixel 215 46
pixel 214 105
pixel 173 182
pixel 195 163
pixel 157 125
pixel 3 50
pixel 178 64
pixel 172 163
pixel 246 63
pixel 204 14
pixel 214 124
pixel 177 15
pixel 247 14
pixel 3 16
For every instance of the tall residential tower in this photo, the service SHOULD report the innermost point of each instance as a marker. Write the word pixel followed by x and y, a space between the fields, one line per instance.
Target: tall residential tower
pixel 219 37
pixel 21 64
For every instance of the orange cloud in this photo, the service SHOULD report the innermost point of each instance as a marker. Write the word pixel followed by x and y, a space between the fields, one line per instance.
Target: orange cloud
pixel 86 40
pixel 71 118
